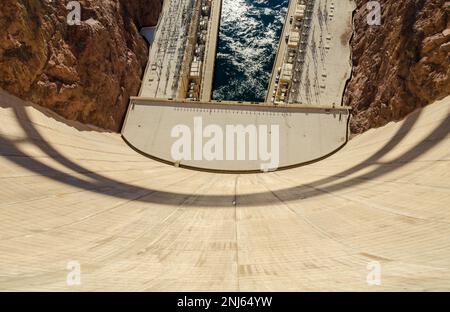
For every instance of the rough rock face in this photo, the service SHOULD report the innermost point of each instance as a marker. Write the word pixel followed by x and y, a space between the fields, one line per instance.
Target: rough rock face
pixel 401 65
pixel 83 72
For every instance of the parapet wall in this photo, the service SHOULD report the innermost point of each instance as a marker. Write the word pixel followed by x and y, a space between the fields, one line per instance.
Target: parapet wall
pixel 234 136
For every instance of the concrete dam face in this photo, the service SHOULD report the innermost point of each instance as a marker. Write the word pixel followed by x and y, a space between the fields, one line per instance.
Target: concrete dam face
pixel 268 192
pixel 71 193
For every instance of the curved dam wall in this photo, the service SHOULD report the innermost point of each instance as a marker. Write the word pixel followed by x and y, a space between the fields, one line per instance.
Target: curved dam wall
pixel 70 192
pixel 234 136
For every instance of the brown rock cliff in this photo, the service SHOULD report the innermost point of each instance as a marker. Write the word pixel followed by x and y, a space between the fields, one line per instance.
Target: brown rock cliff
pixel 401 65
pixel 85 72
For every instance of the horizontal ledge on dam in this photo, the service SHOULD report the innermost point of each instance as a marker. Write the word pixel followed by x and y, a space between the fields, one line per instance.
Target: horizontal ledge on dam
pixel 236 104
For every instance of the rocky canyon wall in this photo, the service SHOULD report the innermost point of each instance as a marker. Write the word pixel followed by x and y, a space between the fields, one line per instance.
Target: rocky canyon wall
pixel 83 72
pixel 401 65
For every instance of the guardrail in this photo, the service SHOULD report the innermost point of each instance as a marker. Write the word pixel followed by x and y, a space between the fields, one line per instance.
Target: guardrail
pixel 261 105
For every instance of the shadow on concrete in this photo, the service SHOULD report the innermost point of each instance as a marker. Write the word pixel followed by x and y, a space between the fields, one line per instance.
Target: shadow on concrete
pixel 109 187
pixel 12 103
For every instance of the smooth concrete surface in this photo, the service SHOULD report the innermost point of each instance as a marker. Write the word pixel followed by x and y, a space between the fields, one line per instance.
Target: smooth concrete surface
pixel 297 135
pixel 70 193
